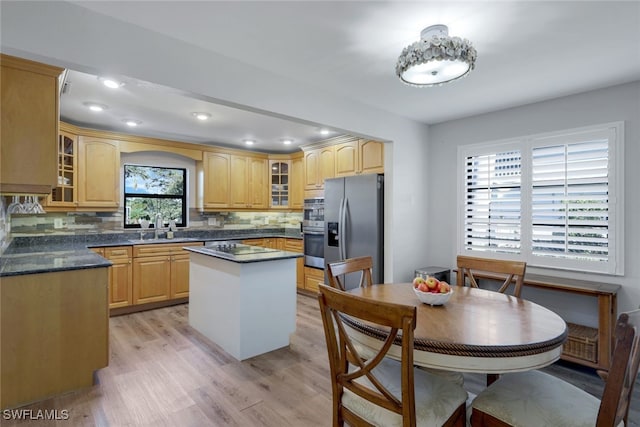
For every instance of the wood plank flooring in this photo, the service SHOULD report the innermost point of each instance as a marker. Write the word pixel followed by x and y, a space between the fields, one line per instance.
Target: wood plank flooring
pixel 163 373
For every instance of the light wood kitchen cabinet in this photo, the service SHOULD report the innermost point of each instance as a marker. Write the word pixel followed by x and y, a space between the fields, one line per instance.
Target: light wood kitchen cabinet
pixel 160 272
pixel 280 184
pixel 249 188
pixel 287 180
pixel 254 242
pixel 217 180
pixel 98 173
pixel 319 164
pixel 64 194
pixel 179 287
pixel 312 278
pixel 295 245
pixel 151 279
pixel 274 243
pixel 120 276
pixel 359 156
pixel 29 110
pixel 296 183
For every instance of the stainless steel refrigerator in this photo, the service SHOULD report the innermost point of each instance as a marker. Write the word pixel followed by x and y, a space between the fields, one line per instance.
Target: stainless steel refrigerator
pixel 354 221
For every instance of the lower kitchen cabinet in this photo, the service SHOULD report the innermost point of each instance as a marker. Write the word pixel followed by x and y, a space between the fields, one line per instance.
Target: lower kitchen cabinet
pixel 160 272
pixel 179 287
pixel 151 279
pixel 312 278
pixel 295 245
pixel 120 276
pixel 254 242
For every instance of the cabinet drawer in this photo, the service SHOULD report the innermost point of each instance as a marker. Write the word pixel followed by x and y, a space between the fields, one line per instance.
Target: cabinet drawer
pixel 293 245
pixel 161 249
pixel 312 277
pixel 117 252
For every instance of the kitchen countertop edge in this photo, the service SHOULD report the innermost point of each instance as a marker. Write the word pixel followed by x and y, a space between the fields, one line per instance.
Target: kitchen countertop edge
pixel 72 252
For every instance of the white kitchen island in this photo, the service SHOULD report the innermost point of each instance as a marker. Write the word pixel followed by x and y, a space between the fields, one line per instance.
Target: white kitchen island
pixel 245 303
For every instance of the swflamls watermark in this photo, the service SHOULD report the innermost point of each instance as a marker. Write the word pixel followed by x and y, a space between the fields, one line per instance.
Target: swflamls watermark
pixel 35 414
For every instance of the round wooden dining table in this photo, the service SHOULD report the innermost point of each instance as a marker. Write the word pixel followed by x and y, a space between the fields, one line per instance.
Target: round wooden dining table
pixel 475 331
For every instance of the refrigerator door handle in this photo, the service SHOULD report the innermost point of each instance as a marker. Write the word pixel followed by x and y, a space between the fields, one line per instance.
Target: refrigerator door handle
pixel 343 228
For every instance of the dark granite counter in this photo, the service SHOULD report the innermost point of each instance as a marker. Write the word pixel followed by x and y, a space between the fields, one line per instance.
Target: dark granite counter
pixel 40 254
pixel 45 262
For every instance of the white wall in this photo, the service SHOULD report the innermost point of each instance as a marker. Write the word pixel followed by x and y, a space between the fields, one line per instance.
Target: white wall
pixel 64 34
pixel 600 106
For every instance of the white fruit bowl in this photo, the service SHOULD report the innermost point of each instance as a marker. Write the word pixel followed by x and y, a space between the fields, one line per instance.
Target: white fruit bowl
pixel 433 298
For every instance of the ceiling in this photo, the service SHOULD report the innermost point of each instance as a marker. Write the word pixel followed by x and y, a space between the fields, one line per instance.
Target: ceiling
pixel 527 52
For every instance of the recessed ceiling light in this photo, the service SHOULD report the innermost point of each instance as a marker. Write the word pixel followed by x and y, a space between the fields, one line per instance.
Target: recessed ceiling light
pixel 95 106
pixel 324 131
pixel 287 142
pixel 110 83
pixel 249 142
pixel 201 116
pixel 132 123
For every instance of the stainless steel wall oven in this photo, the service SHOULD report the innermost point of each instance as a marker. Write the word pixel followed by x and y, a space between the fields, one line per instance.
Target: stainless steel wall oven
pixel 313 232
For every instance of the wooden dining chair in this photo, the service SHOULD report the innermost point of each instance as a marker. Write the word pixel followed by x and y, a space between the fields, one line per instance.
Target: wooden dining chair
pixel 513 269
pixel 535 398
pixel 381 391
pixel 363 265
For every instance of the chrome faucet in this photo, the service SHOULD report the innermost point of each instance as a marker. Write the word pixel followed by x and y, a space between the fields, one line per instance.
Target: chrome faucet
pixel 158 224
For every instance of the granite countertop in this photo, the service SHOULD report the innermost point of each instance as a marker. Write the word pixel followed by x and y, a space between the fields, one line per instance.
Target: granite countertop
pixel 41 254
pixel 267 255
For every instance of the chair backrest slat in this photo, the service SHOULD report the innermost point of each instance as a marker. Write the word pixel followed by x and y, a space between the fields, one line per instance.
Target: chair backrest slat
pixel 336 270
pixel 513 269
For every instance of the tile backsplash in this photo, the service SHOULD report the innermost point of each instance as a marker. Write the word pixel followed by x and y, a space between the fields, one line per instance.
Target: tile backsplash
pixel 109 222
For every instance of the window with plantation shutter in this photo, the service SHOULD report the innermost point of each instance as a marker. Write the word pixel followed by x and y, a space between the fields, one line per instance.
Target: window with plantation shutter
pixel 552 200
pixel 492 203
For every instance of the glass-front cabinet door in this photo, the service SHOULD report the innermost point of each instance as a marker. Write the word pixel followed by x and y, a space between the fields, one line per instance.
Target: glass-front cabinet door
pixel 64 194
pixel 279 183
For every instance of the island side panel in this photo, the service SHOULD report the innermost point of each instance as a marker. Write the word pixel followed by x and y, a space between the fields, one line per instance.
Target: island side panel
pixel 54 333
pixel 268 305
pixel 214 299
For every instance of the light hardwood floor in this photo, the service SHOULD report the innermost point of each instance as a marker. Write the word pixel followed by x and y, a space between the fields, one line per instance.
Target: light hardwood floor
pixel 163 373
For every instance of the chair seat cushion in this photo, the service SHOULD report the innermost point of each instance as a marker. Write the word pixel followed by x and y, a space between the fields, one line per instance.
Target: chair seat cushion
pixel 436 398
pixel 534 399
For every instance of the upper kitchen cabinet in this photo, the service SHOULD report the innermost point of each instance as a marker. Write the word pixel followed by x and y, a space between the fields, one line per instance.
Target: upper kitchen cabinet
pixel 319 164
pixel 296 181
pixel 287 180
pixel 280 176
pixel 359 156
pixel 249 188
pixel 29 126
pixel 216 180
pixel 64 194
pixel 98 173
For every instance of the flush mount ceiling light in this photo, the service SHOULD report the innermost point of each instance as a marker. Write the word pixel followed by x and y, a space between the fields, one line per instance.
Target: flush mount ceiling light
pixel 111 83
pixel 201 116
pixel 249 142
pixel 287 141
pixel 435 59
pixel 324 131
pixel 132 123
pixel 95 106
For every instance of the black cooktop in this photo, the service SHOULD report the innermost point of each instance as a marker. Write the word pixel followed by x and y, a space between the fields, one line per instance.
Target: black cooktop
pixel 235 248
